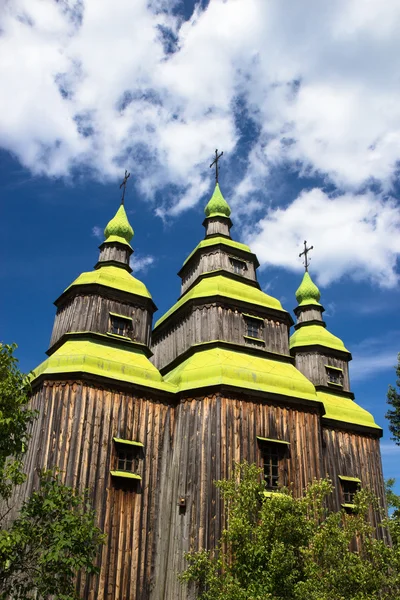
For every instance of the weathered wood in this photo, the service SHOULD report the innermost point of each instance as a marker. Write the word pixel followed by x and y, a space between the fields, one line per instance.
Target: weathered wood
pixel 313 366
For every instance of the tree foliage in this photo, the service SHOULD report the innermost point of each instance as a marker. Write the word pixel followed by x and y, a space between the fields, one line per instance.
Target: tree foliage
pixel 15 418
pixel 54 535
pixel 393 399
pixel 276 546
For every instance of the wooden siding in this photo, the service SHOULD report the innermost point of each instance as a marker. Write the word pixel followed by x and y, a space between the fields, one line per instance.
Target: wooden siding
pixel 312 365
pixel 354 455
pixel 212 261
pixel 186 448
pixel 116 253
pixel 309 314
pixel 217 226
pixel 215 322
pixel 90 312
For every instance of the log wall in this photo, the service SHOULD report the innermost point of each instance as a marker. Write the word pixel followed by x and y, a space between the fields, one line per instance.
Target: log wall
pixel 312 365
pixel 354 455
pixel 215 322
pixel 91 312
pixel 213 261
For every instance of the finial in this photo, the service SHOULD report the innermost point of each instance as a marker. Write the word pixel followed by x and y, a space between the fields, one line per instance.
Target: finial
pixel 305 252
pixel 123 184
pixel 215 162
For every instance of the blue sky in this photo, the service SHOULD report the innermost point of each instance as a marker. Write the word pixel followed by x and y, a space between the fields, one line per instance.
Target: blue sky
pixel 304 104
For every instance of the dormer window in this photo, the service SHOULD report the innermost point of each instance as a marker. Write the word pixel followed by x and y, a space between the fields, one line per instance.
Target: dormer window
pixel 334 375
pixel 128 454
pixel 120 325
pixel 239 266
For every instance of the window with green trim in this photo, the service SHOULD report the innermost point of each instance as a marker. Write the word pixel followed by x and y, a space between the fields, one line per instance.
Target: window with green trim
pixel 238 266
pixel 334 375
pixel 273 453
pixel 120 325
pixel 349 489
pixel 254 327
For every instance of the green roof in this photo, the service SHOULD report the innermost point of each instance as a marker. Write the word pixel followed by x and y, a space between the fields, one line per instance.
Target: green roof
pixel 217 365
pixel 117 238
pixel 310 335
pixel 113 277
pixel 213 241
pixel 217 205
pixel 221 285
pixel 346 410
pixel 130 365
pixel 119 226
pixel 307 292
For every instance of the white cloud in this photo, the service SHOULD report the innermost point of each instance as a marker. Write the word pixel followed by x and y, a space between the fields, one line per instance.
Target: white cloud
pixel 141 263
pixel 89 84
pixel 355 235
pixel 98 232
pixel 388 448
pixel 373 355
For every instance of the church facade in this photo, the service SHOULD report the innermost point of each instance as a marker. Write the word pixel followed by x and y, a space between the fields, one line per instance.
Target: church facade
pixel 148 418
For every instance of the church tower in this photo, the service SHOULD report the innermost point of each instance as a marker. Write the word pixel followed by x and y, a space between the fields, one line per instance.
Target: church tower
pixel 148 420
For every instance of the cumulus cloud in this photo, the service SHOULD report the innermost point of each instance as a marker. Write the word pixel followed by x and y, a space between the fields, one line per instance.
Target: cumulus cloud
pixel 142 263
pixel 95 86
pixel 354 235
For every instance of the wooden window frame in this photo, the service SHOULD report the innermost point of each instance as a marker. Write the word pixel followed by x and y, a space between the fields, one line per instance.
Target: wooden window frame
pixel 334 375
pixel 239 266
pixel 254 327
pixel 125 325
pixel 350 486
pixel 127 458
pixel 273 453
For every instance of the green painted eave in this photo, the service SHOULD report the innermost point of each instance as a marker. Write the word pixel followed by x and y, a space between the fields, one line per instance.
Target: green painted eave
pixel 119 226
pixel 213 241
pixel 345 410
pixel 310 335
pixel 221 285
pixel 116 238
pixel 307 292
pixel 129 365
pixel 221 366
pixel 217 206
pixel 112 277
pixel 125 475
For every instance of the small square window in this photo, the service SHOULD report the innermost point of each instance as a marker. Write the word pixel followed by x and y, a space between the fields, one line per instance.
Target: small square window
pixel 254 328
pixel 120 326
pixel 239 266
pixel 127 460
pixel 349 488
pixel 334 375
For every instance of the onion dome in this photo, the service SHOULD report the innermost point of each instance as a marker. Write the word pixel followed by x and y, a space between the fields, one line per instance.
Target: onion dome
pixel 307 292
pixel 119 226
pixel 217 205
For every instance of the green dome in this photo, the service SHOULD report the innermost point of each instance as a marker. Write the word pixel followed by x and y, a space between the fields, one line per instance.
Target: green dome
pixel 316 335
pixel 307 292
pixel 119 226
pixel 217 205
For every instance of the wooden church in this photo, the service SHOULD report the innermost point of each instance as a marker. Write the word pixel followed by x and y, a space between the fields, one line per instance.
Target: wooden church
pixel 147 418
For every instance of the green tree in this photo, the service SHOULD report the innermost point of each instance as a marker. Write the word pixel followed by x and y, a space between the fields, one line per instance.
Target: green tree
pixel 54 535
pixel 15 419
pixel 393 399
pixel 276 546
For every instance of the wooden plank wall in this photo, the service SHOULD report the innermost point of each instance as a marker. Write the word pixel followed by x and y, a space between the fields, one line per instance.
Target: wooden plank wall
pixel 217 226
pixel 74 431
pixel 217 259
pixel 354 455
pixel 312 365
pixel 212 322
pixel 90 312
pixel 211 434
pixel 309 314
pixel 115 253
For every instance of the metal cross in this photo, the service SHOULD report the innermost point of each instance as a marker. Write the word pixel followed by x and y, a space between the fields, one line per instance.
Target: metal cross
pixel 123 184
pixel 305 252
pixel 215 162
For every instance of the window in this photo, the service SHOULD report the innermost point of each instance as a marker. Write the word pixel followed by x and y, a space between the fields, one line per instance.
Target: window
pixel 239 266
pixel 127 457
pixel 120 325
pixel 273 453
pixel 350 486
pixel 254 327
pixel 334 374
pixel 271 457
